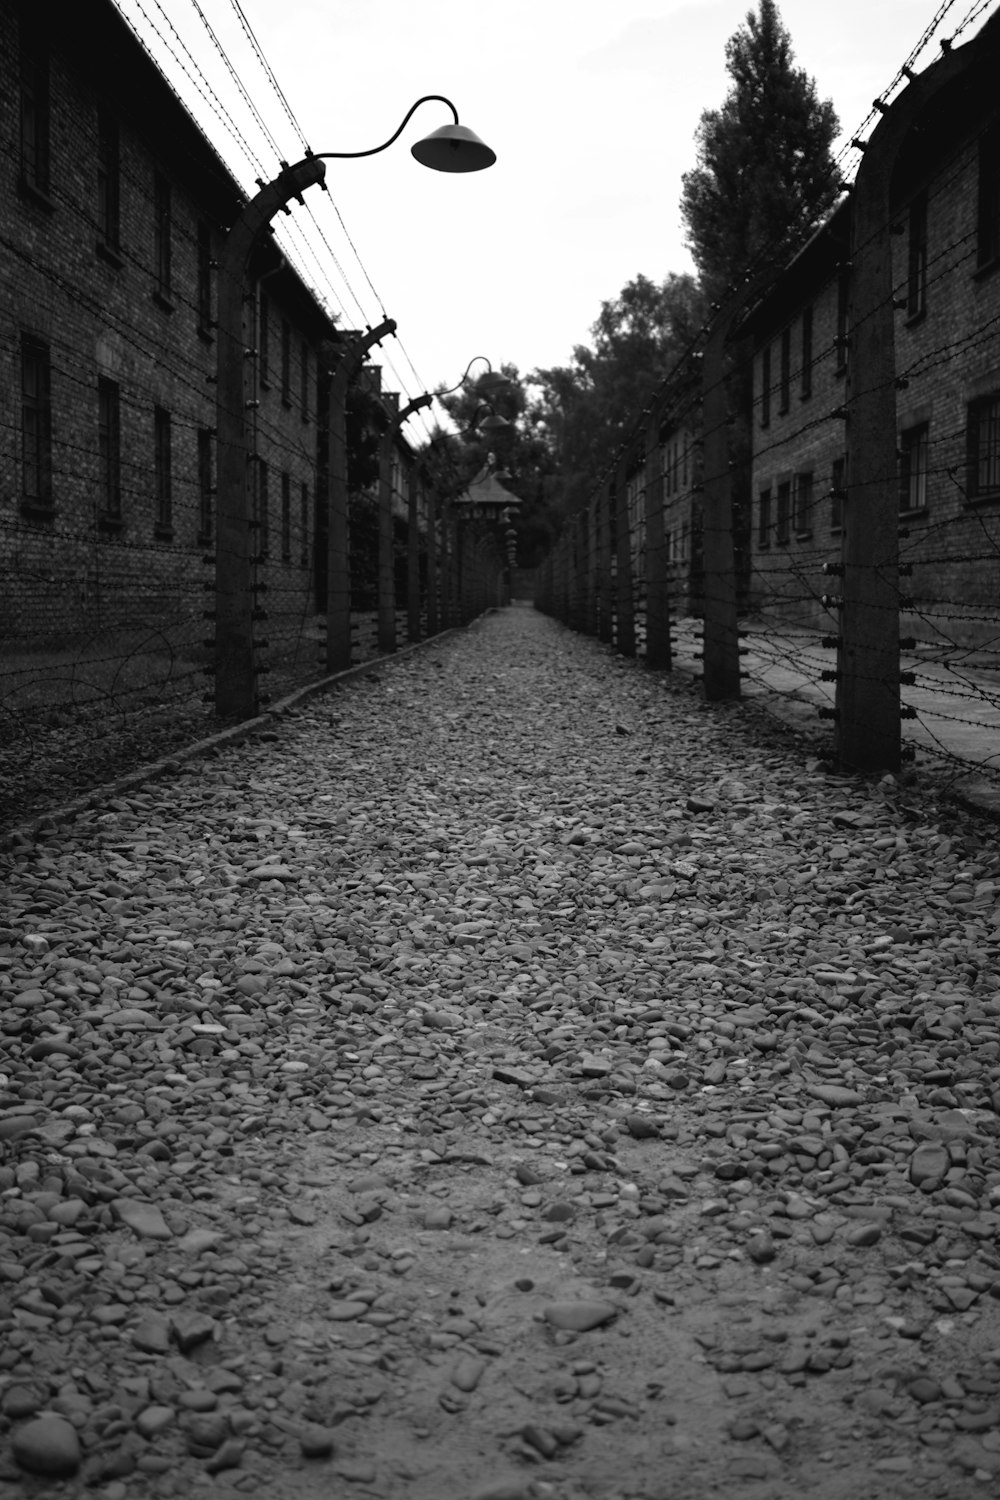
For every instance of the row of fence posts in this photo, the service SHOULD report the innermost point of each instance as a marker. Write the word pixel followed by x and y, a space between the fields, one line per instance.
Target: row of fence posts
pixel 463 565
pixel 587 581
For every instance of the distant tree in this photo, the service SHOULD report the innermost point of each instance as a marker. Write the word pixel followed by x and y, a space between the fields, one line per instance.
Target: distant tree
pixel 765 175
pixel 583 410
pixel 520 451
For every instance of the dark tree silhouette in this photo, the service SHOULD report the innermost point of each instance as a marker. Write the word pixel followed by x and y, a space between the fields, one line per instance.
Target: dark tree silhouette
pixel 765 175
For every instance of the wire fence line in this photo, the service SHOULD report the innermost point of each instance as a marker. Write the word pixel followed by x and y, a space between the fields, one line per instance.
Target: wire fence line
pixel 75 713
pixel 817 481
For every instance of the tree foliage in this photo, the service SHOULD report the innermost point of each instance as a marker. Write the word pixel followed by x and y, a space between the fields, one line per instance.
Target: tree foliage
pixel 583 411
pixel 765 176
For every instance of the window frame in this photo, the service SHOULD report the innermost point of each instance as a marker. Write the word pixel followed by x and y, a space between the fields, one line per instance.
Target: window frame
pixel 806 372
pixel 765 385
pixel 109 451
pixel 286 516
pixel 783 512
pixel 914 443
pixel 163 471
pixel 977 493
pixel 764 517
pixel 785 372
pixel 163 234
pixel 36 424
pixel 988 200
pixel 35 113
pixel 803 501
pixel 916 259
pixel 108 185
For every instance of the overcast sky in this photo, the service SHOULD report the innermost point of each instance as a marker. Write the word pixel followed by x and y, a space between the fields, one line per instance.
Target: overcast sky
pixel 590 105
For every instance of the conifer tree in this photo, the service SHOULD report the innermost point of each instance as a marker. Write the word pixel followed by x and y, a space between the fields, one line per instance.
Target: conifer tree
pixel 765 176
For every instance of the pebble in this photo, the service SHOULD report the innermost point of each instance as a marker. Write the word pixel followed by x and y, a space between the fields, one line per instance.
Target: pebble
pixel 48 1446
pixel 579 1316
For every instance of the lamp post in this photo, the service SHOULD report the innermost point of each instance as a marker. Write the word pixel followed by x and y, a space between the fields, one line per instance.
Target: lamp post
pixel 451 148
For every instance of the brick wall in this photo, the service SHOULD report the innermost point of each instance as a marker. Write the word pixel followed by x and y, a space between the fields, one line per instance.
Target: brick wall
pixel 947 355
pixel 103 310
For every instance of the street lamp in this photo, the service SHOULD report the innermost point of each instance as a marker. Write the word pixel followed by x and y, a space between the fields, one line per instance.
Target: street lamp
pixel 452 148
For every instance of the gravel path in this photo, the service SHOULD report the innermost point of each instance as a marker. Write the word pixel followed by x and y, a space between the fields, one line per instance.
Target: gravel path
pixel 507 1079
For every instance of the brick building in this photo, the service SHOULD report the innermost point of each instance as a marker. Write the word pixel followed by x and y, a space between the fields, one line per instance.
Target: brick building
pixel 946 271
pixel 113 208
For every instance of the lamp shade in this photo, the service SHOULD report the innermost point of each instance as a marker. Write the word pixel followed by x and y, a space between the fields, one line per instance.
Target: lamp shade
pixel 453 148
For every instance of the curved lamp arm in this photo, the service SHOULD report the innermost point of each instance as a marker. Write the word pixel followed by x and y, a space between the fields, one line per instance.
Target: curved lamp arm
pixel 452 148
pixel 492 380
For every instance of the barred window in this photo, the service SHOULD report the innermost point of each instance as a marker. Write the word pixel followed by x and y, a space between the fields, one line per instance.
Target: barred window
pixel 286 518
pixel 988 204
pixel 913 456
pixel 304 504
pixel 162 236
pixel 783 518
pixel 108 181
pixel 785 380
pixel 764 518
pixel 204 288
pixel 765 385
pixel 803 503
pixel 36 422
pixel 805 377
pixel 109 451
pixel 916 270
pixel 163 469
pixel 35 115
pixel 983 448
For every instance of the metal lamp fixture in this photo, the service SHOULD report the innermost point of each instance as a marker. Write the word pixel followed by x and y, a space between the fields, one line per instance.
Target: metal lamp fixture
pixel 451 148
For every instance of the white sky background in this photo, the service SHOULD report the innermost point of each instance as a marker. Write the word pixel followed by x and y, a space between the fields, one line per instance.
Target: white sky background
pixel 590 105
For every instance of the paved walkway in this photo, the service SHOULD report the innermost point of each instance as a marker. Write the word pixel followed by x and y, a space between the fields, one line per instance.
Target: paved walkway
pixel 504 1078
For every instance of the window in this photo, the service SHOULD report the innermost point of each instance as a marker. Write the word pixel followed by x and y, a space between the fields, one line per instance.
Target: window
pixel 204 288
pixel 35 153
pixel 803 504
pixel 261 518
pixel 913 452
pixel 109 450
pixel 162 470
pixel 304 379
pixel 36 423
pixel 806 373
pixel 916 265
pixel 162 237
pixel 988 204
pixel 304 519
pixel 764 519
pixel 264 339
pixel 286 518
pixel 843 315
pixel 983 448
pixel 108 182
pixel 206 486
pixel 783 518
pixel 765 385
pixel 785 386
pixel 286 362
pixel 838 493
